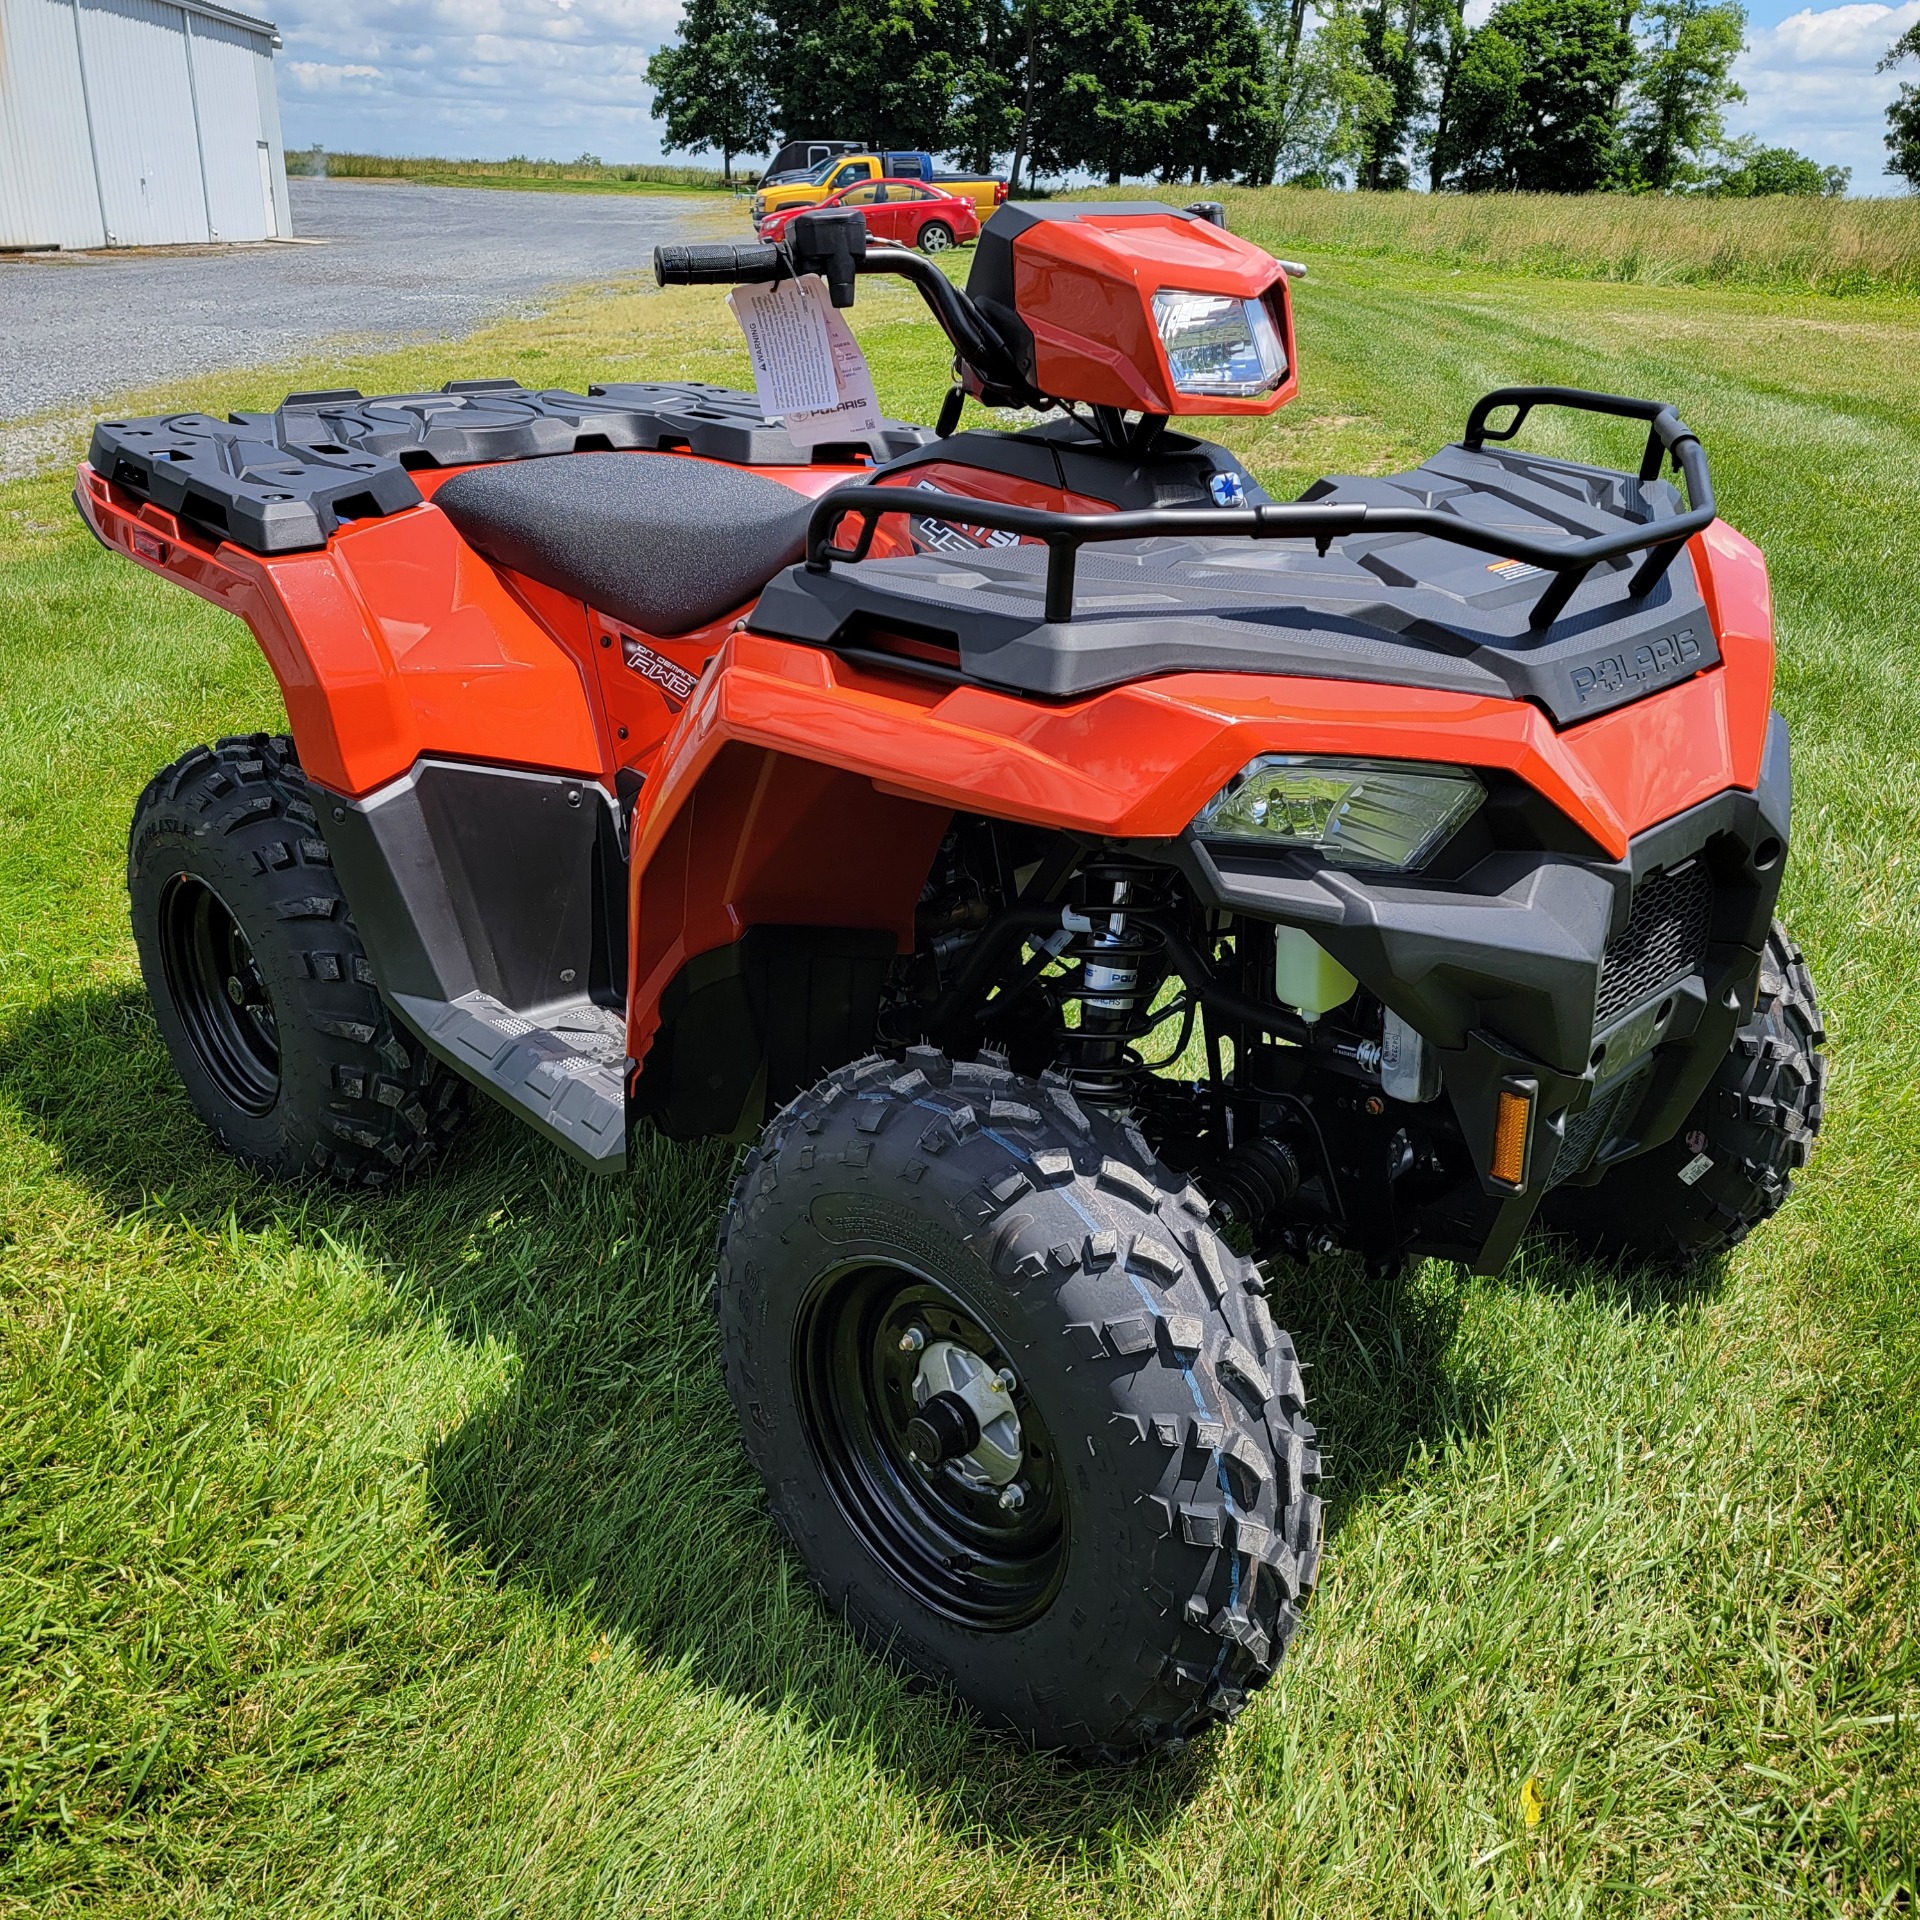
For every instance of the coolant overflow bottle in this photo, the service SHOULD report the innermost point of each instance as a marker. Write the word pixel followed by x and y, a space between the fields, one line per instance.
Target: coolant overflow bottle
pixel 1306 976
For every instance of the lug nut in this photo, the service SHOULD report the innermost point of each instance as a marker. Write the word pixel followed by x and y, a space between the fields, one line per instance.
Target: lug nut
pixel 1013 1498
pixel 1006 1378
pixel 913 1340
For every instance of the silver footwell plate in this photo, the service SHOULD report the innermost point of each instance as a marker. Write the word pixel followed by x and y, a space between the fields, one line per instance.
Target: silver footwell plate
pixel 565 1072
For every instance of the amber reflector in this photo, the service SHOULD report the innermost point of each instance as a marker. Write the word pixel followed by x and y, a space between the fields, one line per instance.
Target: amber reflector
pixel 1510 1137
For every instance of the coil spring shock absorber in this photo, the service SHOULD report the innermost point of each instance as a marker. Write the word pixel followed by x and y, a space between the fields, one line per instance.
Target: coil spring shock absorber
pixel 1120 968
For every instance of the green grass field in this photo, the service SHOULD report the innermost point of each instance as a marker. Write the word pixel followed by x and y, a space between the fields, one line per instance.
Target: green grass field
pixel 395 1557
pixel 519 174
pixel 1778 242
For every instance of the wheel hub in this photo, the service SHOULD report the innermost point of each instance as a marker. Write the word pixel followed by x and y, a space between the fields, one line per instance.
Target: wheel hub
pixel 967 1418
pixel 932 1449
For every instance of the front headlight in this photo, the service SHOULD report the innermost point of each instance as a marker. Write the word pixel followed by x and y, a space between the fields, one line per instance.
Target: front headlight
pixel 1391 816
pixel 1220 345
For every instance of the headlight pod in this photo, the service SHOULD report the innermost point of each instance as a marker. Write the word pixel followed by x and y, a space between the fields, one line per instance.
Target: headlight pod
pixel 1219 344
pixel 1386 816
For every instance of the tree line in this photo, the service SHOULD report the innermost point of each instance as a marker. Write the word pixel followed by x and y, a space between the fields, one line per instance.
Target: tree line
pixel 1549 96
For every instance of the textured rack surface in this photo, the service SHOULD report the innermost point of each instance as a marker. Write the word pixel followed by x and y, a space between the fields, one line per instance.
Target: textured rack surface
pixel 284 481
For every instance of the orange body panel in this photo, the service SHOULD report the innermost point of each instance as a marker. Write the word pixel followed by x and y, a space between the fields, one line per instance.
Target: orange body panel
pixel 759 838
pixel 399 640
pixel 792 787
pixel 1089 306
pixel 1137 762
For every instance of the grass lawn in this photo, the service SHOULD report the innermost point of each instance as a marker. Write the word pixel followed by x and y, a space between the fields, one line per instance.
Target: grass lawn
pixel 395 1555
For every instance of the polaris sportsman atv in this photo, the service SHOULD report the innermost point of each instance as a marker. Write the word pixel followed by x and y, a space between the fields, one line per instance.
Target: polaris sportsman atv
pixel 1076 874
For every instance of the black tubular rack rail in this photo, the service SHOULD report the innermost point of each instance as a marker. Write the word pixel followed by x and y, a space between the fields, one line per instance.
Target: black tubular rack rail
pixel 1568 561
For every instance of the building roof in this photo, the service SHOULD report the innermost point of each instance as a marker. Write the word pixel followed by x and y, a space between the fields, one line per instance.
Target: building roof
pixel 232 17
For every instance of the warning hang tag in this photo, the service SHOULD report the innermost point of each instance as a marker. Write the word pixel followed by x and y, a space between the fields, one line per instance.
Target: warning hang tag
pixel 808 369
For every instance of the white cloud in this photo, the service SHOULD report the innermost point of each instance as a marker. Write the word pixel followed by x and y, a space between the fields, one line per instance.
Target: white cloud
pixel 315 76
pixel 1810 84
pixel 472 78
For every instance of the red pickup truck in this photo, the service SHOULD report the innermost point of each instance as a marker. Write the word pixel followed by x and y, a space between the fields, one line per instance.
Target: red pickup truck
pixel 903 210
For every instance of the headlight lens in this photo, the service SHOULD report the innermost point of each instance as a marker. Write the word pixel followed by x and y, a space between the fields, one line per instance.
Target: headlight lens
pixel 1220 345
pixel 1390 816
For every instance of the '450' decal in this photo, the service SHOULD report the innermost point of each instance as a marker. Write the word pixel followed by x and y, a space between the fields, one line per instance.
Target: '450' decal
pixel 1668 654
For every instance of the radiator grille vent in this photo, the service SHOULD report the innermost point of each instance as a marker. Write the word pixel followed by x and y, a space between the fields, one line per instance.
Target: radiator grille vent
pixel 1588 1132
pixel 1663 940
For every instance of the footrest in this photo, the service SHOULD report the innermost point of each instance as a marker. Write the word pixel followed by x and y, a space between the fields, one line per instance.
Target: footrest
pixel 566 1074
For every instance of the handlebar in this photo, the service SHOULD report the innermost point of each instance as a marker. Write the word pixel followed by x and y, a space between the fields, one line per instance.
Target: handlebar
pixel 835 244
pixel 714 266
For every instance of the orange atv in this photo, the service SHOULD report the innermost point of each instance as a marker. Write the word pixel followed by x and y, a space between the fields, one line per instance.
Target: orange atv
pixel 1071 873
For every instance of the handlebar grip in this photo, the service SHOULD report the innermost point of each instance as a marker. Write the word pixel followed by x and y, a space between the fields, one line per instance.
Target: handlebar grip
pixel 714 266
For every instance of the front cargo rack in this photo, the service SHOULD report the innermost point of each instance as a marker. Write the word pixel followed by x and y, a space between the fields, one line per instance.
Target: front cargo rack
pixel 1568 561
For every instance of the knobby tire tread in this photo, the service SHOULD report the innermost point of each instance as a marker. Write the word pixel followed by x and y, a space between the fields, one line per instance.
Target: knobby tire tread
pixel 1189 1382
pixel 362 1101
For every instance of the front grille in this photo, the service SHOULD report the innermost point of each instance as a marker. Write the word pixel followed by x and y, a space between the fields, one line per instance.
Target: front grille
pixel 1588 1132
pixel 1663 940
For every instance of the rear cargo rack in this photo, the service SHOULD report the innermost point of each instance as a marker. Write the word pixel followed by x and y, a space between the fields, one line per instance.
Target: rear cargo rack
pixel 1568 561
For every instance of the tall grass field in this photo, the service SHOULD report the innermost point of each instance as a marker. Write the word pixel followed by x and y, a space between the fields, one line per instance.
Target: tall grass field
pixel 395 1556
pixel 1779 242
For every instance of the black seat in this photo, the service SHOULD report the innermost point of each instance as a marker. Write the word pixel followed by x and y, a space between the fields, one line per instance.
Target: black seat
pixel 661 542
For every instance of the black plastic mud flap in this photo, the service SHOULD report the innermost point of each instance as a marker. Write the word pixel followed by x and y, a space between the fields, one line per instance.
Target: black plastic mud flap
pixel 492 905
pixel 745 1027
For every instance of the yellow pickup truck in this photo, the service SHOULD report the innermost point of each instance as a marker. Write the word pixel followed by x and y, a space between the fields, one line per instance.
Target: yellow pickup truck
pixel 848 169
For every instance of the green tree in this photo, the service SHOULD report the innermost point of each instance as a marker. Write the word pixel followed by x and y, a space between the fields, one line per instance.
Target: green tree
pixel 1122 88
pixel 1091 73
pixel 888 71
pixel 983 117
pixel 1208 95
pixel 1481 115
pixel 1903 116
pixel 1397 44
pixel 1683 81
pixel 1744 169
pixel 711 86
pixel 1325 101
pixel 1535 106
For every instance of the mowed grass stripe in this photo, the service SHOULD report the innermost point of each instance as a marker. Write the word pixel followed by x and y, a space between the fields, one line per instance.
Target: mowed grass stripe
pixel 396 1555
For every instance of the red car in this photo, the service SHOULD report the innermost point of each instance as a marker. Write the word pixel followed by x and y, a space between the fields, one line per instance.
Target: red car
pixel 902 210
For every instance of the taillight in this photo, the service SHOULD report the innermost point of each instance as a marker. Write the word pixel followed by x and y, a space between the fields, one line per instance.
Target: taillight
pixel 999 192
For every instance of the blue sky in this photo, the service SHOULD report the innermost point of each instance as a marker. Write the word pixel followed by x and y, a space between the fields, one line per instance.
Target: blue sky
pixel 556 78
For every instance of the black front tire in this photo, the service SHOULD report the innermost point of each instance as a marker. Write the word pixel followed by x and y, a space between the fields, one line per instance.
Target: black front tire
pixel 1169 1534
pixel 1731 1165
pixel 259 983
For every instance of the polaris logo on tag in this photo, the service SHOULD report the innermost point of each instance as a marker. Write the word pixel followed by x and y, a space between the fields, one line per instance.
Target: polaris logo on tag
pixel 1670 653
pixel 674 681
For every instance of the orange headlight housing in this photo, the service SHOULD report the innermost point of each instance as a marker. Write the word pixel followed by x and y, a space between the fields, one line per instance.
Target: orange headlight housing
pixel 1091 296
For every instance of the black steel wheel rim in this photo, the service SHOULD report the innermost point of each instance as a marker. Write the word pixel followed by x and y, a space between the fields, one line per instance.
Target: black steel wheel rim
pixel 220 995
pixel 952 1546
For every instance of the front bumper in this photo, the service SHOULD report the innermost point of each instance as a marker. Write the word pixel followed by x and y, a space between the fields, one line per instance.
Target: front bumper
pixel 1609 991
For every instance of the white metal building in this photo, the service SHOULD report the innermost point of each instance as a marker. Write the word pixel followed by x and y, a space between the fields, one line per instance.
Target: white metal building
pixel 137 123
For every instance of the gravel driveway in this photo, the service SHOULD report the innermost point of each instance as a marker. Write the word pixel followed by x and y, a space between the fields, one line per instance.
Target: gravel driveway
pixel 399 263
